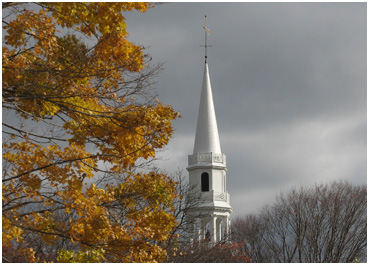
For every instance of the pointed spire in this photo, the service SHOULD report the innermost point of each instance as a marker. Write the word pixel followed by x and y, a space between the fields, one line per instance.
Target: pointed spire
pixel 207 137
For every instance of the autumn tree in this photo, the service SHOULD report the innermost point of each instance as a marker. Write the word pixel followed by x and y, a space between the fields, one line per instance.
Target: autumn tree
pixel 78 117
pixel 324 223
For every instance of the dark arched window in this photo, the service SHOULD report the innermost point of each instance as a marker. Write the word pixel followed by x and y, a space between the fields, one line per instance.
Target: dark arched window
pixel 204 181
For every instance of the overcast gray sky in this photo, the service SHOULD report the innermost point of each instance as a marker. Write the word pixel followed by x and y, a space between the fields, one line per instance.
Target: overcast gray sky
pixel 289 87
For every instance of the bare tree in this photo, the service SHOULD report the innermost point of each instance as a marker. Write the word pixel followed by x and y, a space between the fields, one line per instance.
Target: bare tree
pixel 184 246
pixel 325 223
pixel 183 204
pixel 208 252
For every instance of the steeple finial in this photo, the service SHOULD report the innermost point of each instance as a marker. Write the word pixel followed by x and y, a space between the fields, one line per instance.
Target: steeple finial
pixel 207 32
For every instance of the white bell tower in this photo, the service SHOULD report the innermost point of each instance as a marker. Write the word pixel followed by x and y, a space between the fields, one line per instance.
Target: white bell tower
pixel 210 219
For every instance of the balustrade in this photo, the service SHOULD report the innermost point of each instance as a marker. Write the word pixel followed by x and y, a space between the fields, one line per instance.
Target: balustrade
pixel 215 196
pixel 206 158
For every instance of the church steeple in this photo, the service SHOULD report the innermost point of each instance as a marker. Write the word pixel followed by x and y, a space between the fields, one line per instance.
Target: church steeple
pixel 207 137
pixel 207 172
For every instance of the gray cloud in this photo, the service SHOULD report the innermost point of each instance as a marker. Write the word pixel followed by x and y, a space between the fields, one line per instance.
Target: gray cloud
pixel 289 85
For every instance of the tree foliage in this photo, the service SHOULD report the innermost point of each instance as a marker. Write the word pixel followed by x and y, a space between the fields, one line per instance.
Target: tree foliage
pixel 325 223
pixel 90 256
pixel 78 117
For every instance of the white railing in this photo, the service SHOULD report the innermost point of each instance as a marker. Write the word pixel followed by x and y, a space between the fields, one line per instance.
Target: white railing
pixel 206 158
pixel 215 196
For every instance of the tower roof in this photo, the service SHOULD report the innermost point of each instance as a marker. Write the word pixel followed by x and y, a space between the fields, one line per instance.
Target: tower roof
pixel 207 137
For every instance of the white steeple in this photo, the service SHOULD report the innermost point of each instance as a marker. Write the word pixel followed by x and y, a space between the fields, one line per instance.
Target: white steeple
pixel 210 218
pixel 207 137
